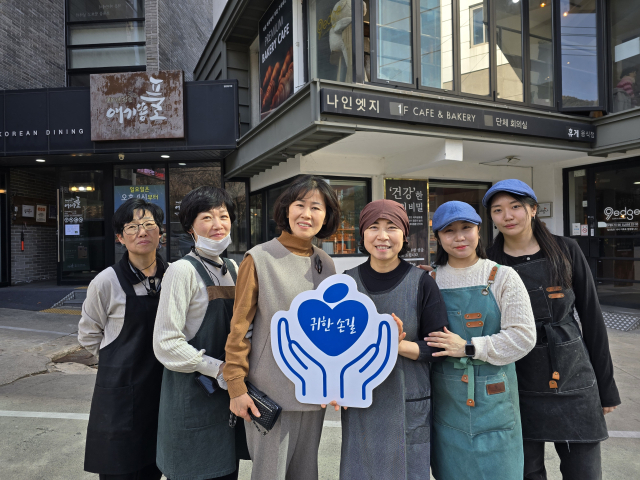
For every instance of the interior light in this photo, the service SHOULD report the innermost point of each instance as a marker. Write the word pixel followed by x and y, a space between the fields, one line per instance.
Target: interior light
pixel 81 189
pixel 568 63
pixel 542 5
pixel 636 183
pixel 165 156
pixel 40 160
pixel 2 190
pixel 74 189
pixel 182 164
pixel 89 189
pixel 565 14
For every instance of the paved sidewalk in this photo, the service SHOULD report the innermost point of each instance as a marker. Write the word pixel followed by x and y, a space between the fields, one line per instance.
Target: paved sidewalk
pixel 44 406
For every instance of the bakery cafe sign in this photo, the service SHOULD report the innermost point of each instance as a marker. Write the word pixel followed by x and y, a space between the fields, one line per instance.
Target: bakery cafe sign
pixel 137 106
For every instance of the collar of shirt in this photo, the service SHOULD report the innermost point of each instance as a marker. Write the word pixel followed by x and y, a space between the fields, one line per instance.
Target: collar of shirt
pixel 130 274
pixel 297 246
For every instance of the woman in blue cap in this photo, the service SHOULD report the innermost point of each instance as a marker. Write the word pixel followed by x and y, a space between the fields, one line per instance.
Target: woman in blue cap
pixel 566 382
pixel 477 432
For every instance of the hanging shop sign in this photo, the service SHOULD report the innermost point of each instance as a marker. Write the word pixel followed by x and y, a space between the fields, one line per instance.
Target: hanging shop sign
pixel 413 194
pixel 276 56
pixel 342 102
pixel 137 106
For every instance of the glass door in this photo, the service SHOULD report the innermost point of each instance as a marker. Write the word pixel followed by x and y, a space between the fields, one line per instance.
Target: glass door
pixel 617 235
pixel 82 244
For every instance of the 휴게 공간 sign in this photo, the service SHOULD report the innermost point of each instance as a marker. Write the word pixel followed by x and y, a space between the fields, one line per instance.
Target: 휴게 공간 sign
pixel 137 106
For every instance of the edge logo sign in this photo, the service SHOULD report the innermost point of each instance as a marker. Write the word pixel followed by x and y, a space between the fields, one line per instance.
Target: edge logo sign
pixel 334 345
pixel 624 214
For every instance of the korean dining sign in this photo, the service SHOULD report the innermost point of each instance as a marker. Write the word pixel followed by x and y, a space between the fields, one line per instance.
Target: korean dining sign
pixel 276 55
pixel 342 102
pixel 137 106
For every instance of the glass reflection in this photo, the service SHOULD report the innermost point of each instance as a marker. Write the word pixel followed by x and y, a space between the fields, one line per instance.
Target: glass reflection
pixel 474 49
pixel 509 50
pixel 625 53
pixel 436 44
pixel 394 41
pixel 541 53
pixel 578 30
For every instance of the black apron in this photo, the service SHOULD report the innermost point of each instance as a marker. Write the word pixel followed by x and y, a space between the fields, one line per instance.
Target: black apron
pixel 195 441
pixel 559 398
pixel 123 422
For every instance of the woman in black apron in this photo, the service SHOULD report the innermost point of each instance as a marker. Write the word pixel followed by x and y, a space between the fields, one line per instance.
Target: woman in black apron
pixel 118 317
pixel 195 441
pixel 566 382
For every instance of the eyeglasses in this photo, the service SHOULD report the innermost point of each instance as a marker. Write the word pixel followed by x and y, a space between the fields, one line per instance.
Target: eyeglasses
pixel 135 227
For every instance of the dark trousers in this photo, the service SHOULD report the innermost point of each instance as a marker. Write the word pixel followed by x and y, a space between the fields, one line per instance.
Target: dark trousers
pixel 578 461
pixel 150 472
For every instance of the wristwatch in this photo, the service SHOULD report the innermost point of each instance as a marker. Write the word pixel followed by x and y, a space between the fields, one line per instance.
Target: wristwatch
pixel 469 349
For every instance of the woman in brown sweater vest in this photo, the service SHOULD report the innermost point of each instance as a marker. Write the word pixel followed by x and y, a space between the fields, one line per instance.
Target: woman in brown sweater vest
pixel 279 270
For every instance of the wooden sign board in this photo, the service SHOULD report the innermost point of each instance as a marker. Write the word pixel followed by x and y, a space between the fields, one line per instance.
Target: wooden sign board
pixel 137 106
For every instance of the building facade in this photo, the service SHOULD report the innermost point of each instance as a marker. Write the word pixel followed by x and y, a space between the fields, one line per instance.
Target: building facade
pixel 428 101
pixel 59 188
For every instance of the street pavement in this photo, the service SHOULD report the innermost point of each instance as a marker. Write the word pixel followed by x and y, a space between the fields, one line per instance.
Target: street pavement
pixel 44 406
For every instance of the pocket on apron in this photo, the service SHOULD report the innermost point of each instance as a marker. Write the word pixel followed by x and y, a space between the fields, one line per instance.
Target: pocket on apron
pixel 539 304
pixel 201 410
pixel 111 410
pixel 416 416
pixel 492 411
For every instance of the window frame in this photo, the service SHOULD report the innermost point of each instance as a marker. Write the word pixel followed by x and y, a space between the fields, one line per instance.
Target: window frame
pixel 485 33
pixel 70 72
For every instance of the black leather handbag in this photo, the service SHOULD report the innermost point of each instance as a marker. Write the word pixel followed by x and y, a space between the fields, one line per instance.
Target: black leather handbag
pixel 269 410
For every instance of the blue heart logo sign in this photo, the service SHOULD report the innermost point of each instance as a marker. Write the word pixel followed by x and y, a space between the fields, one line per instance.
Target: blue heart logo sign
pixel 333 344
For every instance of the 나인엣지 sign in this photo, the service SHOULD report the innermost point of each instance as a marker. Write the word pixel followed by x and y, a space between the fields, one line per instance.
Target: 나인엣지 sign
pixel 343 102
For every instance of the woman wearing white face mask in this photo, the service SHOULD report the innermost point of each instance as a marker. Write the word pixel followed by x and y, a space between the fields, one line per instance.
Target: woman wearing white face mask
pixel 192 325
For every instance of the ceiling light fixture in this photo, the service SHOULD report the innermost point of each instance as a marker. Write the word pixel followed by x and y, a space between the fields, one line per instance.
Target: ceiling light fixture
pixel 40 160
pixel 182 164
pixel 542 5
pixel 165 156
pixel 565 14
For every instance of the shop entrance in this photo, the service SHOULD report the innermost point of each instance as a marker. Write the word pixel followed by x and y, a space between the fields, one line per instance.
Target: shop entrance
pixel 603 203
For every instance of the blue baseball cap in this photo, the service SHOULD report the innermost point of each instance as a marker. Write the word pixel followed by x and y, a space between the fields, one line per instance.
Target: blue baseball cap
pixel 450 212
pixel 510 186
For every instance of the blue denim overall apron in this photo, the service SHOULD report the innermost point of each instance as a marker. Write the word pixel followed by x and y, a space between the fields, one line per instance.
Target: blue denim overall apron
pixel 477 433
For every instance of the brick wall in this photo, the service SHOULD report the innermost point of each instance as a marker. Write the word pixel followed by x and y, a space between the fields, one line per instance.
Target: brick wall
pixel 40 256
pixel 32 44
pixel 184 29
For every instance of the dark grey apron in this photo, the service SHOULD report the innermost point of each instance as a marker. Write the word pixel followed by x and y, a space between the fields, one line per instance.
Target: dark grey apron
pixel 123 421
pixel 390 440
pixel 559 398
pixel 195 441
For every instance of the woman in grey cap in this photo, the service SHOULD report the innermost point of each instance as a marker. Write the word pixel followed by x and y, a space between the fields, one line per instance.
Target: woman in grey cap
pixel 477 433
pixel 566 382
pixel 390 440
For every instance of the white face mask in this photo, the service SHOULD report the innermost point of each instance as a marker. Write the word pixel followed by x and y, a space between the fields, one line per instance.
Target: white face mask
pixel 212 248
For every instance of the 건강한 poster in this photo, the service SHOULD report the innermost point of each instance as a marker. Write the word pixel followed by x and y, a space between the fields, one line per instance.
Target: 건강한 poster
pixel 276 56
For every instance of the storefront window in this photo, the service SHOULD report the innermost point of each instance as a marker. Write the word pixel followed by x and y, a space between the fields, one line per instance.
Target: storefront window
pixel 474 49
pixel 578 201
pixel 541 53
pixel 394 39
pixel 182 179
pixel 352 195
pixel 436 44
pixel 255 212
pixel 509 50
pixel 330 40
pixel 625 54
pixel 471 193
pixel 238 247
pixel 579 57
pixel 147 183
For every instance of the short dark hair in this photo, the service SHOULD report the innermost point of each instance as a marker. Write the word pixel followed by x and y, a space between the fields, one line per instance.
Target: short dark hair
pixel 297 190
pixel 124 213
pixel 442 257
pixel 203 199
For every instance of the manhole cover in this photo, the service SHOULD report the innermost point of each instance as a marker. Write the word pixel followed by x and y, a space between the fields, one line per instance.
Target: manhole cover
pixel 79 356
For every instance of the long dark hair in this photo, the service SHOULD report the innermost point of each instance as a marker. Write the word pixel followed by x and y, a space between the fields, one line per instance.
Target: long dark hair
pixel 555 253
pixel 442 257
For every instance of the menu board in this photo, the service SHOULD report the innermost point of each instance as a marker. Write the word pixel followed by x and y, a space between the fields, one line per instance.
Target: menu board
pixel 414 195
